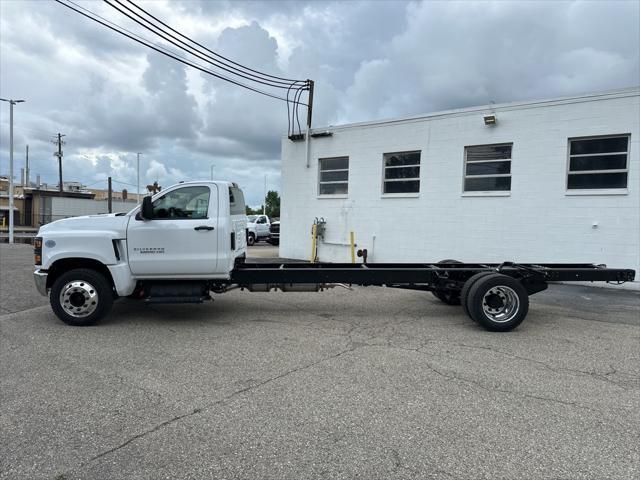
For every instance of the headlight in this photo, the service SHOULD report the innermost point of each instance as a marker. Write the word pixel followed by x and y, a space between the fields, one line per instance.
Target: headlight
pixel 37 250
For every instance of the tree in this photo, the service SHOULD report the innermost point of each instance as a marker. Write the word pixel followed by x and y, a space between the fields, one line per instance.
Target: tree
pixel 273 204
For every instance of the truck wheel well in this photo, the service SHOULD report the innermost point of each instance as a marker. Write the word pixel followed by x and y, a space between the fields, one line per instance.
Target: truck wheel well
pixel 64 265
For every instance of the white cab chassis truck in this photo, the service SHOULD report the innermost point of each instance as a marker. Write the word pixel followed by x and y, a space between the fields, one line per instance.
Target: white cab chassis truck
pixel 258 228
pixel 189 241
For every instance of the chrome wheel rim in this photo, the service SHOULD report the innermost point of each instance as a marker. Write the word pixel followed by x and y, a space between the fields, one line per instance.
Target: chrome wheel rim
pixel 79 298
pixel 500 304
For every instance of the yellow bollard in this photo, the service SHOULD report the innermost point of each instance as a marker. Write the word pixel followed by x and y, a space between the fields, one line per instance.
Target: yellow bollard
pixel 352 239
pixel 314 233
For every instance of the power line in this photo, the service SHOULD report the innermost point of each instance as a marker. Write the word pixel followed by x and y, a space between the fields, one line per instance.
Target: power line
pixel 148 44
pixel 123 183
pixel 211 51
pixel 149 25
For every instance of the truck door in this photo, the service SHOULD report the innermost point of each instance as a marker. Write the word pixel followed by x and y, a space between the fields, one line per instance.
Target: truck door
pixel 262 226
pixel 182 237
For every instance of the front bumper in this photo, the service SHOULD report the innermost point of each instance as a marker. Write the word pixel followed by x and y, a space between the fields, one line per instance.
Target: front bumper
pixel 40 279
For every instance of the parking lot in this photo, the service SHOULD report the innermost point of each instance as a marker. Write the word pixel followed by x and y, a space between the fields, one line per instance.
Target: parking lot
pixel 370 383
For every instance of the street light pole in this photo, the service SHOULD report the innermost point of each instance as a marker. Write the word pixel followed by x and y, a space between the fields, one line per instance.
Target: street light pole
pixel 264 203
pixel 212 165
pixel 11 104
pixel 138 187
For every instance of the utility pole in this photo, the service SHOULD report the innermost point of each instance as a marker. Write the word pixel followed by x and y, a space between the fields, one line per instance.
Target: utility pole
pixel 11 104
pixel 212 165
pixel 138 187
pixel 109 196
pixel 26 168
pixel 59 142
pixel 307 137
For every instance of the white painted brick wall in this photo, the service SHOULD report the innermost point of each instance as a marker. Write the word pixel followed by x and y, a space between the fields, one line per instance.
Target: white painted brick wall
pixel 538 222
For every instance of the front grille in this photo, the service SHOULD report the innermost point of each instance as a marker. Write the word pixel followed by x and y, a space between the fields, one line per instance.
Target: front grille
pixel 275 228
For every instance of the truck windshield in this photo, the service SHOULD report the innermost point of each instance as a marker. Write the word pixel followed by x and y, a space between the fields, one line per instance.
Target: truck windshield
pixel 251 218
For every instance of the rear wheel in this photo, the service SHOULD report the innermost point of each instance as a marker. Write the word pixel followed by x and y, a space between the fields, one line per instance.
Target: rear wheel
pixel 81 297
pixel 446 295
pixel 251 239
pixel 498 302
pixel 464 293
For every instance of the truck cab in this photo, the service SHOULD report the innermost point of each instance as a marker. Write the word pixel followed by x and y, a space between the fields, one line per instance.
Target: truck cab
pixel 189 231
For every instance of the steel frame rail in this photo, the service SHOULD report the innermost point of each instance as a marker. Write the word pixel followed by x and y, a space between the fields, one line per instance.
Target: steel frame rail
pixel 419 273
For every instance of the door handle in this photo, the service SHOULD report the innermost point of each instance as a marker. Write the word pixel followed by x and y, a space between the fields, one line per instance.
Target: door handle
pixel 203 227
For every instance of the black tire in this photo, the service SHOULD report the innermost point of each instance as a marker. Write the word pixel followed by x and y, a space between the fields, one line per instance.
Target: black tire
pixel 498 302
pixel 275 243
pixel 464 293
pixel 86 291
pixel 447 296
pixel 251 239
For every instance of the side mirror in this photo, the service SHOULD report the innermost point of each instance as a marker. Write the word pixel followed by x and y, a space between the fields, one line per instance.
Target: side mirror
pixel 146 212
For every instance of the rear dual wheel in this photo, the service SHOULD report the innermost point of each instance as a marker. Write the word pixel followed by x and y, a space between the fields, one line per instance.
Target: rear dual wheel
pixel 497 302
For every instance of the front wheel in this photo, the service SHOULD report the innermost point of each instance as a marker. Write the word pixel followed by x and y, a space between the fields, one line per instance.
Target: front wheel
pixel 251 239
pixel 498 302
pixel 81 297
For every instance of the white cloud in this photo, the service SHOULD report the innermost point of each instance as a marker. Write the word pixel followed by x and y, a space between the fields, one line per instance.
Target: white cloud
pixel 114 98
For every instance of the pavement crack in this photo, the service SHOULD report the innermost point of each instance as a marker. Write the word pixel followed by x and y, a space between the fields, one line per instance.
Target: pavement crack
pixel 602 376
pixel 454 377
pixel 397 462
pixel 351 346
pixel 142 434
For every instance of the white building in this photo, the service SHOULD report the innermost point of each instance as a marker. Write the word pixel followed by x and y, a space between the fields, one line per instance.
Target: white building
pixel 551 181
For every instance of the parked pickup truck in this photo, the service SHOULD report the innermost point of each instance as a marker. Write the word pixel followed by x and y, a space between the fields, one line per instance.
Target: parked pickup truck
pixel 257 228
pixel 189 241
pixel 274 233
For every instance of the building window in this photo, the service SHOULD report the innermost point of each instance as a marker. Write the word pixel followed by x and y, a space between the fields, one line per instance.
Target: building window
pixel 401 172
pixel 333 176
pixel 487 168
pixel 598 162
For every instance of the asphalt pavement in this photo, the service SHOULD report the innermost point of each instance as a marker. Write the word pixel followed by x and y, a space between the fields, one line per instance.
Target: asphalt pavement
pixel 372 383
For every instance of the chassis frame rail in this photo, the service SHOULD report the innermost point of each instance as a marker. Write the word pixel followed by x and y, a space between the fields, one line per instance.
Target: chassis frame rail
pixel 429 275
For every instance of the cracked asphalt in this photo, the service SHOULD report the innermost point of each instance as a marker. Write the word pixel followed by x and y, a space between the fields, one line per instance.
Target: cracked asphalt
pixel 372 383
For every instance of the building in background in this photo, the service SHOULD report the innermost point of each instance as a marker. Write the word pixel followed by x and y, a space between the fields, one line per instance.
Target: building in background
pixel 540 181
pixel 40 204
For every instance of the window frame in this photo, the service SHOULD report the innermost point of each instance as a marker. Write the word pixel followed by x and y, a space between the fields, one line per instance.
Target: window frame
pixel 488 193
pixel 321 171
pixel 597 191
pixel 169 192
pixel 233 201
pixel 412 179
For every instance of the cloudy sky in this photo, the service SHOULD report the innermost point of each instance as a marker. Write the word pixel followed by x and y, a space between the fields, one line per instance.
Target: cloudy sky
pixel 375 59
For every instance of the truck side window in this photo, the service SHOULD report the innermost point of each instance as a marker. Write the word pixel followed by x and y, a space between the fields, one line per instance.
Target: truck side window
pixel 262 220
pixel 187 203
